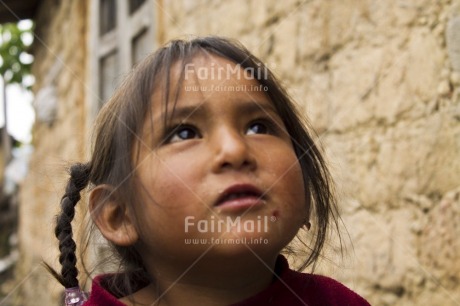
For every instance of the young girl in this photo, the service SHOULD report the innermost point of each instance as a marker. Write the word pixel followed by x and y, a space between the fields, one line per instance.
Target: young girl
pixel 202 172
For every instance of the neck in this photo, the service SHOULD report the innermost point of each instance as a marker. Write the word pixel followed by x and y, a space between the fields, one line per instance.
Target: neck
pixel 205 283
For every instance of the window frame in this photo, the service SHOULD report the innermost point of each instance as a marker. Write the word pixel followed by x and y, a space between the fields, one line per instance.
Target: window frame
pixel 128 26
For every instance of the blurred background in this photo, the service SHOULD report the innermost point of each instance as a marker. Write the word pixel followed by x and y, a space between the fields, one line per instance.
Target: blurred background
pixel 379 80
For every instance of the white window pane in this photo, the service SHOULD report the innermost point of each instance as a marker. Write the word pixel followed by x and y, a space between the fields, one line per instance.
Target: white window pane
pixel 107 16
pixel 108 77
pixel 134 5
pixel 140 46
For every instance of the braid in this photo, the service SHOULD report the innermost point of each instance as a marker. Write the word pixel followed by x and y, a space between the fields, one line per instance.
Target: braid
pixel 79 177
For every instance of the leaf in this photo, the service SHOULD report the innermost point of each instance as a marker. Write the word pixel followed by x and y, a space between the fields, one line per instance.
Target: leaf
pixel 13 47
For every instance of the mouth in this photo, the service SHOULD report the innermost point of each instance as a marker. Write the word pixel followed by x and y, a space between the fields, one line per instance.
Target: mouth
pixel 240 196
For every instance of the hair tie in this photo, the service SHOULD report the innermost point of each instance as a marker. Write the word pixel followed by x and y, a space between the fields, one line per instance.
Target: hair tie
pixel 75 297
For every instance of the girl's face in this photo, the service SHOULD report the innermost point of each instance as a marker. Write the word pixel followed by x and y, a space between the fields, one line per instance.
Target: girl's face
pixel 222 179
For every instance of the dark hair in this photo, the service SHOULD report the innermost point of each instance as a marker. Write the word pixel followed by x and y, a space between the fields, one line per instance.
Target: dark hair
pixel 121 120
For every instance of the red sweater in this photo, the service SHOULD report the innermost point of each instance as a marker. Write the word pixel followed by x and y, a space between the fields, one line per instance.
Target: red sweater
pixel 289 288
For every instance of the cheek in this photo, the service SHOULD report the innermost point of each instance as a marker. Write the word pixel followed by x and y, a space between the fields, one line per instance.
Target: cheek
pixel 171 182
pixel 296 188
pixel 168 198
pixel 291 186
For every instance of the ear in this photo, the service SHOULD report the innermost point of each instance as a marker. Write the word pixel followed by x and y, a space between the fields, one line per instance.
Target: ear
pixel 112 217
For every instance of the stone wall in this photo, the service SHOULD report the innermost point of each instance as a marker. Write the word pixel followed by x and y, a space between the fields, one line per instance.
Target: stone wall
pixel 380 83
pixel 60 54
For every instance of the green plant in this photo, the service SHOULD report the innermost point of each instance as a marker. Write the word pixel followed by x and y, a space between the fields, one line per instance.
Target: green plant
pixel 15 61
pixel 15 65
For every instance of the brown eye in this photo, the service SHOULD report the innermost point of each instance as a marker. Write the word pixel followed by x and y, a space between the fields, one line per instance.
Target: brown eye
pixel 182 133
pixel 258 128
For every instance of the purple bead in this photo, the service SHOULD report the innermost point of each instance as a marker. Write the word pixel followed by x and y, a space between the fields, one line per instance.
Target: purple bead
pixel 75 297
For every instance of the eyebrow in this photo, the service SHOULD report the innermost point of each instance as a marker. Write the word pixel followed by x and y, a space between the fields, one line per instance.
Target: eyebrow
pixel 200 110
pixel 258 106
pixel 180 112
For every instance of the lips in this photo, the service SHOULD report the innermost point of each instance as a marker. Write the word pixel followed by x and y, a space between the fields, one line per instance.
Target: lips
pixel 239 196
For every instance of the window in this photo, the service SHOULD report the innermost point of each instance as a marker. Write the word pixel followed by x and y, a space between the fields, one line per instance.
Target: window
pixel 107 16
pixel 108 69
pixel 121 34
pixel 140 47
pixel 134 5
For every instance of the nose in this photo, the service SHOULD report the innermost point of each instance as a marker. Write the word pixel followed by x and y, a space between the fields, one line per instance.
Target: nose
pixel 232 151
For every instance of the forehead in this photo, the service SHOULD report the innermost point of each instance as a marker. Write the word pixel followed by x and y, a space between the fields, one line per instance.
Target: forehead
pixel 206 67
pixel 207 78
